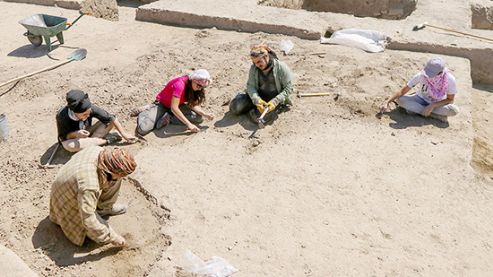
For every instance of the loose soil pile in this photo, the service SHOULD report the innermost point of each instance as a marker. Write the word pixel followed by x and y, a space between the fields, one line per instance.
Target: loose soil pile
pixel 106 9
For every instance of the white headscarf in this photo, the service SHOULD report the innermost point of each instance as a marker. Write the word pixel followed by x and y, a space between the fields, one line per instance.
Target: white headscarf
pixel 201 76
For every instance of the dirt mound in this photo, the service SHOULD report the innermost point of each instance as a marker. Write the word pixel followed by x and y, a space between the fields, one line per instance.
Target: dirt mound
pixel 106 9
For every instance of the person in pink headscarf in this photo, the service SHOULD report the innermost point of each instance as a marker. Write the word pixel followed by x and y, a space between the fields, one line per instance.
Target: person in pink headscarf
pixel 435 95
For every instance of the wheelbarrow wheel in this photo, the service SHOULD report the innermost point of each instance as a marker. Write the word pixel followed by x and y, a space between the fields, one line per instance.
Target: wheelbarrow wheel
pixel 34 40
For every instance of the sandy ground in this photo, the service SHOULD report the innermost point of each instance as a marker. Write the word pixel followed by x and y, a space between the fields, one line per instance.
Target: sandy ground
pixel 328 189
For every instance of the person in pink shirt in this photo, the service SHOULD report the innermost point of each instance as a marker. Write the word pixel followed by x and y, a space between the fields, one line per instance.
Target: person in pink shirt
pixel 178 103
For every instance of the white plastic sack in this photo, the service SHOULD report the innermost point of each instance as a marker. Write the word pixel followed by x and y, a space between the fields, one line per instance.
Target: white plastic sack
pixel 367 40
pixel 286 46
pixel 215 267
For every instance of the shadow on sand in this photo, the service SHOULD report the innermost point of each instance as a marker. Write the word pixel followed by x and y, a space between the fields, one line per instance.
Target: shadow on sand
pixel 403 120
pixel 61 156
pixel 230 119
pixel 30 51
pixel 173 130
pixel 50 238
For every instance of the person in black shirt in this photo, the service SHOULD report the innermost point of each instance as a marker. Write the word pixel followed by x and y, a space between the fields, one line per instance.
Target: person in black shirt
pixel 75 127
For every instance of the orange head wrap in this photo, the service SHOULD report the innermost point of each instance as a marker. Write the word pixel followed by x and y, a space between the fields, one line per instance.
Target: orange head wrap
pixel 261 50
pixel 117 161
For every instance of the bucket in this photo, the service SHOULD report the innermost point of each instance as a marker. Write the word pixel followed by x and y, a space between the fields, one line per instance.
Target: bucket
pixel 4 127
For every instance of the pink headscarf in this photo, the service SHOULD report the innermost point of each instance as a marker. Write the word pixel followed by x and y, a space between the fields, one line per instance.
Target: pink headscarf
pixel 437 86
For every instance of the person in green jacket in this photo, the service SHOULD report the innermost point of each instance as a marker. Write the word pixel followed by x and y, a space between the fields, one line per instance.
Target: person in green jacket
pixel 268 87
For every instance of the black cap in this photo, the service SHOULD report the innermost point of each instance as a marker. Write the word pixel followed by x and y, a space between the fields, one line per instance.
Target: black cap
pixel 78 101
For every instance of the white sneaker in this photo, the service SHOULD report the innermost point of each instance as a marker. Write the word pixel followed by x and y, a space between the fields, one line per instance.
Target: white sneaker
pixel 117 209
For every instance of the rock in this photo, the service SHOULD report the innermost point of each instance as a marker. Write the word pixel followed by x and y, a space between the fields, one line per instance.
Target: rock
pixel 15 266
pixel 256 143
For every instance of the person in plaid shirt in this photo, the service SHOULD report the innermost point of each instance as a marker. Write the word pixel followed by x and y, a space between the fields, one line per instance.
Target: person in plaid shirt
pixel 85 189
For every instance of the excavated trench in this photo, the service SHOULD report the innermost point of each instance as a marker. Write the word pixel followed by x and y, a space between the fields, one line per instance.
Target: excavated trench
pixel 387 9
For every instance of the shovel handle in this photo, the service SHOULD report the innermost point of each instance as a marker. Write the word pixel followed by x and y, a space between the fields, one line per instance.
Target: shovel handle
pixel 35 72
pixel 263 114
pixel 73 22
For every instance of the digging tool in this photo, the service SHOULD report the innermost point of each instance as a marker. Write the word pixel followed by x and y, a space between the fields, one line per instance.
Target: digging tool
pixel 425 24
pixel 299 95
pixel 48 163
pixel 77 55
pixel 260 120
pixel 261 123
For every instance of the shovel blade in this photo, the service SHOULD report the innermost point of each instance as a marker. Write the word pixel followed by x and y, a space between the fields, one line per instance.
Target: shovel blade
pixel 78 54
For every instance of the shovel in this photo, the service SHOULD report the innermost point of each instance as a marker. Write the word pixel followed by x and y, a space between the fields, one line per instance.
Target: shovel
pixel 77 55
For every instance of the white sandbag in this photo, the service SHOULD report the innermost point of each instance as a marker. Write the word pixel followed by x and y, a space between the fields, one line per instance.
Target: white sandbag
pixel 214 267
pixel 367 40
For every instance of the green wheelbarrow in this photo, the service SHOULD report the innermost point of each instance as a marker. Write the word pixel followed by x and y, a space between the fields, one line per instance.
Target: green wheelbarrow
pixel 45 26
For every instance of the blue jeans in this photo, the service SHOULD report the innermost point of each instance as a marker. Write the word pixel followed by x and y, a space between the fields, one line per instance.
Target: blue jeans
pixel 416 104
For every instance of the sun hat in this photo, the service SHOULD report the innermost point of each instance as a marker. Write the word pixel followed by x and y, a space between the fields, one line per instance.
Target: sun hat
pixel 78 101
pixel 434 66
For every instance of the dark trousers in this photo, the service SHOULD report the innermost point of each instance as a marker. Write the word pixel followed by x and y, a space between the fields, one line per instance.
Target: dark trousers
pixel 242 103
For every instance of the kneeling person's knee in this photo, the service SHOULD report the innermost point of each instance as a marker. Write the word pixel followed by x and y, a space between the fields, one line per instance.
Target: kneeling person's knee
pixel 235 107
pixel 240 104
pixel 71 145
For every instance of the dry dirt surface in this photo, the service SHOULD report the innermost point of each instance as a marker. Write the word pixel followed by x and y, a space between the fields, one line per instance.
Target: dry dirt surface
pixel 106 9
pixel 328 189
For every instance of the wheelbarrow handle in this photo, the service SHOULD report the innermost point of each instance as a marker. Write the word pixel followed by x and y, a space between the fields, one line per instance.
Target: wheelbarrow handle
pixel 68 24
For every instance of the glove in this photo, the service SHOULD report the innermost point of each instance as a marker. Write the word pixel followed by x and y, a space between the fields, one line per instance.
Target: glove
pixel 261 105
pixel 271 106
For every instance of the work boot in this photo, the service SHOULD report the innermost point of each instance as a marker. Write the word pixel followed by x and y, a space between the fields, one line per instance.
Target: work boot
pixel 117 209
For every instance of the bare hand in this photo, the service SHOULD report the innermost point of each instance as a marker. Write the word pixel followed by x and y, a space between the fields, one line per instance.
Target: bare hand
pixel 385 107
pixel 83 134
pixel 129 138
pixel 193 128
pixel 118 241
pixel 208 116
pixel 427 111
